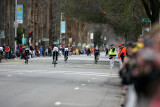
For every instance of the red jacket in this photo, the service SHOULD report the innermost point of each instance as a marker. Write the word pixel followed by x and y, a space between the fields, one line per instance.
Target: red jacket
pixel 7 48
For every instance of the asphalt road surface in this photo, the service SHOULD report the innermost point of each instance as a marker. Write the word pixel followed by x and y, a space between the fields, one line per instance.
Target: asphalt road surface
pixel 77 83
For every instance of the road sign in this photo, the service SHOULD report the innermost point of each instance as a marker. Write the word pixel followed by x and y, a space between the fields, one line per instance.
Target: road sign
pixel 2 35
pixel 63 27
pixel 73 45
pixel 20 13
pixel 146 20
pixel 70 41
pixel 45 39
pixel 24 40
pixel 91 36
pixel 79 44
pixel 56 43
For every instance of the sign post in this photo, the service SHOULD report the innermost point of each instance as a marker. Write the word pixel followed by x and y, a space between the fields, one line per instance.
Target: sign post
pixel 24 41
pixel 146 20
pixel 15 26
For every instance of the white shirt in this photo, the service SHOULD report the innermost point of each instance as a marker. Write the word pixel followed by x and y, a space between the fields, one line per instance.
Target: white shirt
pixel 55 49
pixel 1 48
pixel 65 49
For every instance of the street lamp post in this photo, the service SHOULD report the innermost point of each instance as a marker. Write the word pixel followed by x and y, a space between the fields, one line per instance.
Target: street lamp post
pixel 60 29
pixel 15 24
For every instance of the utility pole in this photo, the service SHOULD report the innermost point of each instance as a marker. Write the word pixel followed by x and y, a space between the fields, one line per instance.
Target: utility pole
pixel 60 29
pixel 16 23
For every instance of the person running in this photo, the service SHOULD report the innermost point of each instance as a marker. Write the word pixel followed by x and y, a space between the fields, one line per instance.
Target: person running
pixel 112 54
pixel 65 54
pixel 55 54
pixel 96 52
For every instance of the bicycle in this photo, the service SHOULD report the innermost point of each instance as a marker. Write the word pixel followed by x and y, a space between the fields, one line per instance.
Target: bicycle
pixel 1 56
pixel 96 58
pixel 54 62
pixel 65 58
pixel 26 59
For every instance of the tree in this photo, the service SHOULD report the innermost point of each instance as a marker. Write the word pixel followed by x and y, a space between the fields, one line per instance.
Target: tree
pixel 152 9
pixel 97 38
pixel 19 34
pixel 123 15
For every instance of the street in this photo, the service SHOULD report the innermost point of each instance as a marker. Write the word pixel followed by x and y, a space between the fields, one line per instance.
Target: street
pixel 77 83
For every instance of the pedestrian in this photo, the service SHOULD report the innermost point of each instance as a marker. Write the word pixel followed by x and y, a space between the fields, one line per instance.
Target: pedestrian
pixel 46 52
pixel 106 51
pixel 121 54
pixel 37 52
pixel 49 51
pixel 32 49
pixel 71 51
pixel 79 52
pixel 7 50
pixel 112 54
pixel 41 50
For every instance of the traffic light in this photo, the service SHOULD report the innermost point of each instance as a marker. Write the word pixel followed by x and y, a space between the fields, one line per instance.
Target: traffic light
pixel 30 33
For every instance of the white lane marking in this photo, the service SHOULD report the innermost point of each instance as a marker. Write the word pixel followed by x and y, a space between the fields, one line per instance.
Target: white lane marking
pixel 83 84
pixel 88 81
pixel 20 73
pixel 57 103
pixel 76 105
pixel 76 88
pixel 9 75
pixel 72 73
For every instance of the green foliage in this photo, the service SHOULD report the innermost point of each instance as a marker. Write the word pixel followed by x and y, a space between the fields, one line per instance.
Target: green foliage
pixel 123 15
pixel 152 9
pixel 85 10
pixel 19 34
pixel 97 38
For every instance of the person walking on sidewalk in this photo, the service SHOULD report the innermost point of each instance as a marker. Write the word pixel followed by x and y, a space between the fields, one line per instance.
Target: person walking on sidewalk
pixel 112 54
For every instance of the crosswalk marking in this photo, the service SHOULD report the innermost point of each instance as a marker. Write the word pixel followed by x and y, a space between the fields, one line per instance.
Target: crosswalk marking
pixel 82 73
pixel 96 74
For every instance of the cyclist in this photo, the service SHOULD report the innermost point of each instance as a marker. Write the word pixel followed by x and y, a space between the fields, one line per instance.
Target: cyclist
pixel 96 53
pixel 1 53
pixel 55 54
pixel 65 54
pixel 26 54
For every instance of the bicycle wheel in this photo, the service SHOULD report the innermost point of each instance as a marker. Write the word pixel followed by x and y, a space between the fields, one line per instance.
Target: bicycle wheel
pixel 26 61
pixel 54 65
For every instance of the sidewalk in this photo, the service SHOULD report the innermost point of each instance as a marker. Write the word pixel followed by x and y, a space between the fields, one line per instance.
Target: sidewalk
pixel 113 96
